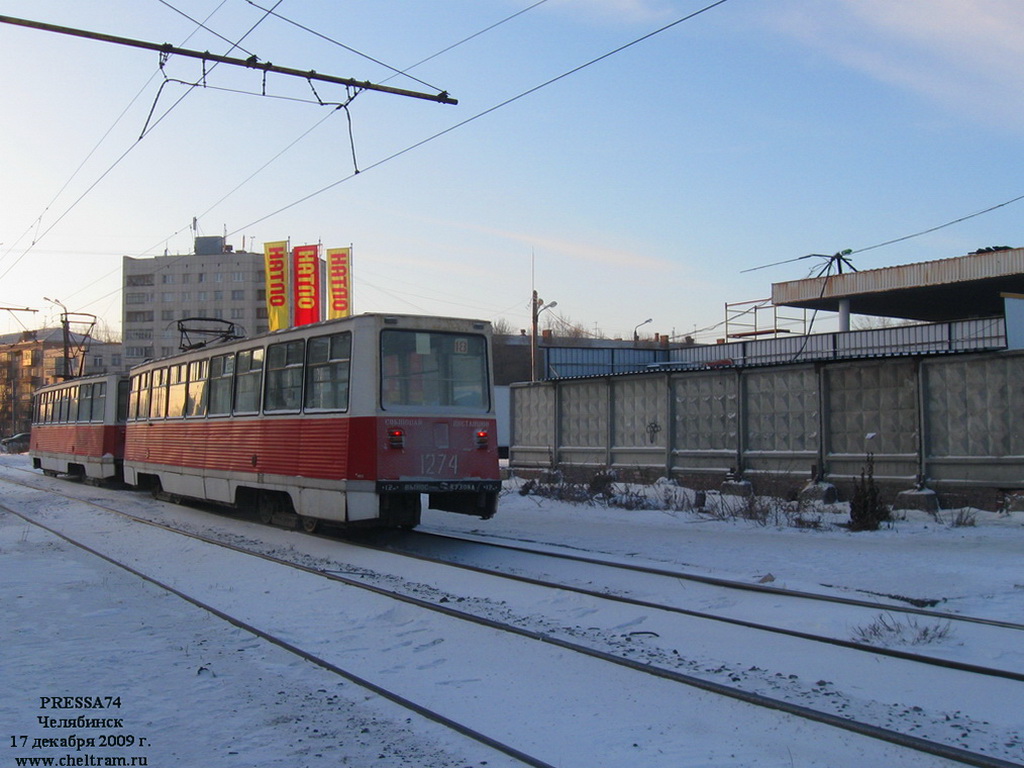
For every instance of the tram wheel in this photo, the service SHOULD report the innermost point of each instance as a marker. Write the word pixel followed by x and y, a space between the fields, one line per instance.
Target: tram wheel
pixel 265 508
pixel 309 524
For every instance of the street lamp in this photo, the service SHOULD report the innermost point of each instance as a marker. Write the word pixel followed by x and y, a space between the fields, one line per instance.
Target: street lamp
pixel 636 336
pixel 537 306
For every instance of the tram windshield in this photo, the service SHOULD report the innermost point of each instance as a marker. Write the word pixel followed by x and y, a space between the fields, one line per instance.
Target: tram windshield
pixel 424 369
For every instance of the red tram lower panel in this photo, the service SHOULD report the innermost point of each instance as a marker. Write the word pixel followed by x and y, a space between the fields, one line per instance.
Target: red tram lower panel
pixel 344 469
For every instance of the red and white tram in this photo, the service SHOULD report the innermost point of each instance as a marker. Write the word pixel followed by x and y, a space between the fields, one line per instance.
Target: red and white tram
pixel 348 421
pixel 78 427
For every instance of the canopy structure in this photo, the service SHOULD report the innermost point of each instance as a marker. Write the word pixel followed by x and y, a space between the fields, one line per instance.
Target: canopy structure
pixel 932 291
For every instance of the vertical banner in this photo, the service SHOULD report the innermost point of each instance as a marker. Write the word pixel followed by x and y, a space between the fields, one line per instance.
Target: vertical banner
pixel 339 282
pixel 306 266
pixel 275 264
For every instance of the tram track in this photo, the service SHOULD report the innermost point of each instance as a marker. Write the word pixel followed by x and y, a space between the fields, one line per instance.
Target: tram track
pixel 398 546
pixel 733 584
pixel 864 729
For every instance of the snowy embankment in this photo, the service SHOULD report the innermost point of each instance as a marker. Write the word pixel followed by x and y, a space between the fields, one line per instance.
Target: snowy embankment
pixel 202 692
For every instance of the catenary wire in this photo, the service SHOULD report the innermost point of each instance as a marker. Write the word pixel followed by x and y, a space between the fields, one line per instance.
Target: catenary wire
pixel 341 45
pixel 485 112
pixel 294 142
pixel 74 174
pixel 117 162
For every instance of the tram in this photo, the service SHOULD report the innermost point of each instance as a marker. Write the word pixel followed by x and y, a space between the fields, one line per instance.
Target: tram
pixel 78 427
pixel 351 421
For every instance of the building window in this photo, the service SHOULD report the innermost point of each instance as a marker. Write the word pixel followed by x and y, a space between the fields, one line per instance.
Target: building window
pixel 238 277
pixel 237 313
pixel 201 277
pixel 167 279
pixel 138 351
pixel 186 296
pixel 138 298
pixel 167 314
pixel 167 297
pixel 139 317
pixel 133 280
pixel 218 277
pixel 238 295
pixel 218 295
pixel 201 296
pixel 115 360
pixel 186 279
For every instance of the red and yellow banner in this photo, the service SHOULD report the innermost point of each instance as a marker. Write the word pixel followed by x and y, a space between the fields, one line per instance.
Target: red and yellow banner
pixel 275 258
pixel 306 273
pixel 339 282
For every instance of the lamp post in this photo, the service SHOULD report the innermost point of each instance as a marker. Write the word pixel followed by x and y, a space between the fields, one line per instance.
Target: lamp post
pixel 537 306
pixel 636 336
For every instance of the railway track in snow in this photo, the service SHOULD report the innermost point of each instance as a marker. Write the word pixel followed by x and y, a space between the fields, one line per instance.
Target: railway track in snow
pixel 443 606
pixel 473 553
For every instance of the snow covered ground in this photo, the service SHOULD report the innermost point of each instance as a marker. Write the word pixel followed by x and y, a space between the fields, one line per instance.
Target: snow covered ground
pixel 200 691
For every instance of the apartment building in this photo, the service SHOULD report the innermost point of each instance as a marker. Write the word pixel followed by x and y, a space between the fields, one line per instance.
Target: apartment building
pixel 214 282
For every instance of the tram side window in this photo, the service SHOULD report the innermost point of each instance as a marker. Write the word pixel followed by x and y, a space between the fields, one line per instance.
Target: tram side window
pixel 222 370
pixel 176 391
pixel 139 405
pixel 84 403
pixel 327 372
pixel 195 401
pixel 99 401
pixel 284 376
pixel 248 380
pixel 69 412
pixel 158 400
pixel 122 400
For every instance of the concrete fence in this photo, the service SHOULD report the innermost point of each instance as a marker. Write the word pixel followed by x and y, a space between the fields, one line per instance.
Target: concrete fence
pixel 954 422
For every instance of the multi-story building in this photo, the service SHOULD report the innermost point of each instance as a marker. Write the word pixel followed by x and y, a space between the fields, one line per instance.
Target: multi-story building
pixel 214 282
pixel 28 360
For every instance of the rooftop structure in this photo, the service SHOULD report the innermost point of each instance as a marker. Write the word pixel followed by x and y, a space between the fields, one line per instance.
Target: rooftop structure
pixel 933 291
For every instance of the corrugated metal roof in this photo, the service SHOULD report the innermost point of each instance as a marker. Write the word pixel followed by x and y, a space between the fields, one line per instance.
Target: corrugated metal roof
pixel 945 289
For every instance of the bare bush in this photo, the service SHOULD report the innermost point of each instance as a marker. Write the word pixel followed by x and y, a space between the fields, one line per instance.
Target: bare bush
pixel 888 630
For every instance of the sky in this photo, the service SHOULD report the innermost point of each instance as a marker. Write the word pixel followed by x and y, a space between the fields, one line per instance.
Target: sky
pixel 623 183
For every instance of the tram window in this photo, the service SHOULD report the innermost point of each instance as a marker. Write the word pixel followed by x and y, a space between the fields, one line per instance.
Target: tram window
pixel 144 391
pixel 195 400
pixel 178 375
pixel 327 372
pixel 158 399
pixel 99 401
pixel 284 376
pixel 122 400
pixel 248 380
pixel 222 370
pixel 71 412
pixel 84 403
pixel 437 370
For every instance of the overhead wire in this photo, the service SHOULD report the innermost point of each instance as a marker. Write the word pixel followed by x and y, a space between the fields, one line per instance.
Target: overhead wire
pixel 486 112
pixel 310 130
pixel 117 161
pixel 342 45
pixel 38 220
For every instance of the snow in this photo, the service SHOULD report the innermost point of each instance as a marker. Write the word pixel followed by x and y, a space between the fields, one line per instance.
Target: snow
pixel 201 691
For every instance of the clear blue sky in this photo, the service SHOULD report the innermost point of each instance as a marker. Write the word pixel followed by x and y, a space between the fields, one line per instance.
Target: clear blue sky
pixel 641 186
